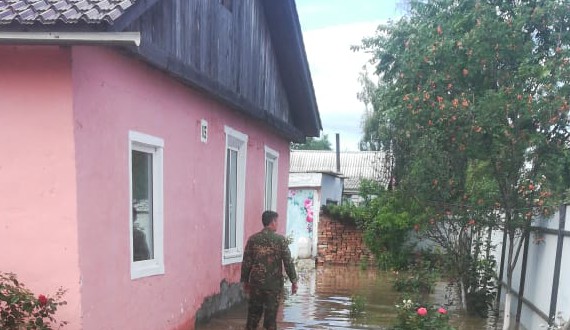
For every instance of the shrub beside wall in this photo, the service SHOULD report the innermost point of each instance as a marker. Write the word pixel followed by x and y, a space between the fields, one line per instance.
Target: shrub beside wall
pixel 341 244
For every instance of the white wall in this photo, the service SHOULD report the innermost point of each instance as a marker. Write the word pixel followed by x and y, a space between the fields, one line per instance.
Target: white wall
pixel 305 180
pixel 325 186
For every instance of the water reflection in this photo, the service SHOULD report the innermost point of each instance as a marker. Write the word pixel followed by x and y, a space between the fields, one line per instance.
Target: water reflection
pixel 324 301
pixel 324 298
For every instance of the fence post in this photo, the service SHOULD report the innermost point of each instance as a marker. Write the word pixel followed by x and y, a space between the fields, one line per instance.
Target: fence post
pixel 557 265
pixel 501 273
pixel 523 278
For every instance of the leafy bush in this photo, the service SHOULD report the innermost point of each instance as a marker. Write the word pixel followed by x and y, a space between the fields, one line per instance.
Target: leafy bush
pixel 419 279
pixel 346 213
pixel 414 316
pixel 483 281
pixel 385 220
pixel 20 308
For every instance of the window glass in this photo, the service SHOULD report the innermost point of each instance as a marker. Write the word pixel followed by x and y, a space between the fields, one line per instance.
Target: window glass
pixel 231 198
pixel 234 196
pixel 146 223
pixel 271 163
pixel 142 206
pixel 269 184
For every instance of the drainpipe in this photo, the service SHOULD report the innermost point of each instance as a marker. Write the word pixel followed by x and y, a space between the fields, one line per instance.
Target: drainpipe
pixel 72 38
pixel 337 153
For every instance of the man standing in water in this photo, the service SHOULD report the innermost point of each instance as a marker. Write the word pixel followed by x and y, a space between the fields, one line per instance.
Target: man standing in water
pixel 262 272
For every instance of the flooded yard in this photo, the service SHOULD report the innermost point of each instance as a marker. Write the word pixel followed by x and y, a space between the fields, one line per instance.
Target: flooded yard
pixel 324 298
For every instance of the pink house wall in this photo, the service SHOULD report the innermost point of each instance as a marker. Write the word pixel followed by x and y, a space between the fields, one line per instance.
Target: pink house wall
pixel 38 227
pixel 112 95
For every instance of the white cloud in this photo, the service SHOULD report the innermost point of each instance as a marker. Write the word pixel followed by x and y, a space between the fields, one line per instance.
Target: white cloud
pixel 335 70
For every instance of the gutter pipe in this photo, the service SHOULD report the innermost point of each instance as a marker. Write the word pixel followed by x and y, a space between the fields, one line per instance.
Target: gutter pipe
pixel 72 38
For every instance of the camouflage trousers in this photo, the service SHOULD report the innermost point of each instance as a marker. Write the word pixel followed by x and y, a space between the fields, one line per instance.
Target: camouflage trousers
pixel 264 302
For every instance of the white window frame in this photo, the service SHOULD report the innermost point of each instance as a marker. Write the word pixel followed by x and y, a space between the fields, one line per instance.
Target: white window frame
pixel 271 156
pixel 234 255
pixel 155 146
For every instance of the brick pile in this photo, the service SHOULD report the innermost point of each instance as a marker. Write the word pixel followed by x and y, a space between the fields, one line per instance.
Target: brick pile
pixel 341 244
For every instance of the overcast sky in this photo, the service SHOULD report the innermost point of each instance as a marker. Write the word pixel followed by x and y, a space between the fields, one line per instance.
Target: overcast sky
pixel 330 27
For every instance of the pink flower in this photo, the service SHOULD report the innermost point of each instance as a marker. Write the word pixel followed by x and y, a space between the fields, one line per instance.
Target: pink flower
pixel 308 203
pixel 310 216
pixel 42 300
pixel 442 310
pixel 422 311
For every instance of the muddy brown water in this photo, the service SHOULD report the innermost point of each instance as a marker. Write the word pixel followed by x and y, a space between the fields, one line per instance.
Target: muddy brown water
pixel 324 298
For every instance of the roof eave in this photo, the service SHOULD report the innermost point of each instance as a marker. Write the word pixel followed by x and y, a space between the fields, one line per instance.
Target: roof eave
pixel 287 38
pixel 72 38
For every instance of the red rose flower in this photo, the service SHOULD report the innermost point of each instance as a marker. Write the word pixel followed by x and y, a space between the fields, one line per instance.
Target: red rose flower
pixel 42 300
pixel 422 311
pixel 442 310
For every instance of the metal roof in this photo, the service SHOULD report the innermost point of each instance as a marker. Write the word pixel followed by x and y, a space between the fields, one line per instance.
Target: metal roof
pixel 354 165
pixel 66 11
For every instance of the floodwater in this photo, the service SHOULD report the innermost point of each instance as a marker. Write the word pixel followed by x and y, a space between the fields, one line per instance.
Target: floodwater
pixel 324 298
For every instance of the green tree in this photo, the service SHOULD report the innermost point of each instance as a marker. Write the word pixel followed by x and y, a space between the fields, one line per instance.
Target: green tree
pixel 473 104
pixel 312 143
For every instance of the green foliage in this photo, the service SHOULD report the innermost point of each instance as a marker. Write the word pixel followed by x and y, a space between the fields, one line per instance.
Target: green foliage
pixel 385 219
pixel 420 278
pixel 473 104
pixel 312 143
pixel 482 286
pixel 474 85
pixel 387 223
pixel 363 263
pixel 414 316
pixel 346 213
pixel 357 306
pixel 21 309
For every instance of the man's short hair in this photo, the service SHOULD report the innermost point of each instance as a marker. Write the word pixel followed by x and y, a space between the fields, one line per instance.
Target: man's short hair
pixel 268 217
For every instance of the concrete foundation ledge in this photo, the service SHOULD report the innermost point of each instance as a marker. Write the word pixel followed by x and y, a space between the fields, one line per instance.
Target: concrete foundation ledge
pixel 230 295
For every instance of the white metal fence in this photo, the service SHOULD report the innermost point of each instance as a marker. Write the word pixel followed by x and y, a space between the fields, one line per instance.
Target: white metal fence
pixel 542 273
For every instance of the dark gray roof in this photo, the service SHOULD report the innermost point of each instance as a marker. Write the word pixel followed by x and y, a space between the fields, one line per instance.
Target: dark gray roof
pixel 354 165
pixel 66 11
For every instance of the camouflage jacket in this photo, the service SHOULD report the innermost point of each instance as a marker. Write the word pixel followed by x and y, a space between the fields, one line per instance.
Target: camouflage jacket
pixel 265 255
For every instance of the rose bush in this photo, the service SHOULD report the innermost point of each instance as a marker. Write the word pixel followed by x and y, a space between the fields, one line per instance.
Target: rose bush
pixel 413 316
pixel 21 309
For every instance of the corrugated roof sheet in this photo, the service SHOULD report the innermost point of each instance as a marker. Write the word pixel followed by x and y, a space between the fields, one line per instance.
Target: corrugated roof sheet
pixel 354 165
pixel 66 11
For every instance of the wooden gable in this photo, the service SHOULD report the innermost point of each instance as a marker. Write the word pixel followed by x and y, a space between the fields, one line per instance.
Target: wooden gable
pixel 224 48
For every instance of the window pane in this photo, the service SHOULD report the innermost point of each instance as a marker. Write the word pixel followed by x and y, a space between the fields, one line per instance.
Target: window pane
pixel 231 199
pixel 143 248
pixel 268 184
